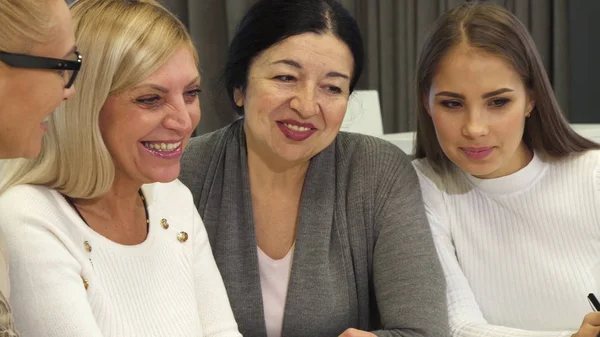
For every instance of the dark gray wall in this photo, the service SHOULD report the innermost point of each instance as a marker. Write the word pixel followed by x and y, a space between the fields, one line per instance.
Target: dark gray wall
pixel 584 55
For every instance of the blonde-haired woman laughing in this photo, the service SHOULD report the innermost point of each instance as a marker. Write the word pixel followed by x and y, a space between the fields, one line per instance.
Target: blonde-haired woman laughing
pixel 104 240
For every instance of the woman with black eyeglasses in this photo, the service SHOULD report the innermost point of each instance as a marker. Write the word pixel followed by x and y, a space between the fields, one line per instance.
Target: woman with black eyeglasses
pixel 38 65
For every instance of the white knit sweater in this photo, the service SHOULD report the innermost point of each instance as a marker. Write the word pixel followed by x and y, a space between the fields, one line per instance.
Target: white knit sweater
pixel 520 252
pixel 161 287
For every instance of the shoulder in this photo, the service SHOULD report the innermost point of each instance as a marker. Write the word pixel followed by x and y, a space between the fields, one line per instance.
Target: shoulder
pixel 29 200
pixel 370 152
pixel 208 142
pixel 169 195
pixel 427 174
pixel 204 152
pixel 584 165
pixel 433 181
pixel 439 189
pixel 201 143
pixel 29 210
pixel 172 201
pixel 577 161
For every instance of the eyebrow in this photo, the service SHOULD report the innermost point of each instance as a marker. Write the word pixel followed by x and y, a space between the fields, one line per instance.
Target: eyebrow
pixel 297 65
pixel 163 89
pixel 486 95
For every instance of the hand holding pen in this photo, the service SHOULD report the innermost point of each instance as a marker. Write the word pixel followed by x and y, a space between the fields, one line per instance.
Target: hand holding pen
pixel 591 322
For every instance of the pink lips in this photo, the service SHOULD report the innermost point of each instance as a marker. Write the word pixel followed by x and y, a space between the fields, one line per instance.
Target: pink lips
pixel 477 152
pixel 296 135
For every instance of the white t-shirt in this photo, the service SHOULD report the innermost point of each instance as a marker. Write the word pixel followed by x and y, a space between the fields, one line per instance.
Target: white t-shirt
pixel 274 280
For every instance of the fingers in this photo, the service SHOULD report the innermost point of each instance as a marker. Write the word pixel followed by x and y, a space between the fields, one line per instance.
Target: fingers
pixel 356 333
pixel 590 326
pixel 593 318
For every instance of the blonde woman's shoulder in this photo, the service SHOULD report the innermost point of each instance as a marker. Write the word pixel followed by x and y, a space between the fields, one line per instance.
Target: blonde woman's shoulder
pixel 23 195
pixel 28 204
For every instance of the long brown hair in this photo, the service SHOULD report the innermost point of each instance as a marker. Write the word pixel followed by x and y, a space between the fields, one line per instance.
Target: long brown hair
pixel 494 29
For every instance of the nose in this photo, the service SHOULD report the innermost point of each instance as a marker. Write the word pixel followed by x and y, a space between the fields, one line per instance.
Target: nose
pixel 305 102
pixel 475 125
pixel 68 93
pixel 180 119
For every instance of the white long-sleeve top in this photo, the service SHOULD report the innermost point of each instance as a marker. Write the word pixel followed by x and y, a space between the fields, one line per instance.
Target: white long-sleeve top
pixel 520 252
pixel 161 287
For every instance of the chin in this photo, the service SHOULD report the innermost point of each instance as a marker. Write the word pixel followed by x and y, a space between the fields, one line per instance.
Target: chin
pixel 164 175
pixel 295 155
pixel 480 171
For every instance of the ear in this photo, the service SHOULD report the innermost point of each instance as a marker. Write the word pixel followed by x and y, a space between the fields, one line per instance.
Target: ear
pixel 238 97
pixel 530 103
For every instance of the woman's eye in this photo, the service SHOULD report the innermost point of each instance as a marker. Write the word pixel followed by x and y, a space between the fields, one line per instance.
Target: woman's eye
pixel 285 78
pixel 192 95
pixel 500 102
pixel 194 92
pixel 334 89
pixel 148 100
pixel 451 104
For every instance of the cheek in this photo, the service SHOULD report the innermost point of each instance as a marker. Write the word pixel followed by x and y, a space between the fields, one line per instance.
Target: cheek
pixel 511 128
pixel 115 132
pixel 52 88
pixel 333 114
pixel 446 126
pixel 264 99
pixel 42 94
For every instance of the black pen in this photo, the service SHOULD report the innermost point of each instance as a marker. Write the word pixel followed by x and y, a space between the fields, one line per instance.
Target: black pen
pixel 594 302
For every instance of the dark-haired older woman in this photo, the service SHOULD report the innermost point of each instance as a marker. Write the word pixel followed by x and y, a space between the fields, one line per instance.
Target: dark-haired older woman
pixel 316 232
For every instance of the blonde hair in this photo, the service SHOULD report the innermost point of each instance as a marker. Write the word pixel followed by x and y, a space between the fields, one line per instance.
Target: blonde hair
pixel 123 42
pixel 25 23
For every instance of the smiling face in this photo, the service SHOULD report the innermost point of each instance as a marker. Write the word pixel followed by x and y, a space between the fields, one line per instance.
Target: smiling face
pixel 479 104
pixel 296 96
pixel 147 127
pixel 30 95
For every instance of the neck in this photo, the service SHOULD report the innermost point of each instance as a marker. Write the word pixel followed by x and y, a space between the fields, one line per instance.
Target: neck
pixel 120 204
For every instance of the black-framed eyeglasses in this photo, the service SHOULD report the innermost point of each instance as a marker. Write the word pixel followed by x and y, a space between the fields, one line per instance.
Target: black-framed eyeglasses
pixel 70 67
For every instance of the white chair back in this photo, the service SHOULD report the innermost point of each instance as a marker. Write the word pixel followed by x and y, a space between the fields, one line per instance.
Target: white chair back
pixel 363 114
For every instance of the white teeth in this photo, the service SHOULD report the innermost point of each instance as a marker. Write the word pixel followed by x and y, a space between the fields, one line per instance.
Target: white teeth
pixel 162 146
pixel 296 127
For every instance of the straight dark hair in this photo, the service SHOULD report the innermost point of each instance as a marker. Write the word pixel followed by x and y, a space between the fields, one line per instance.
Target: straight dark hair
pixel 268 22
pixel 494 29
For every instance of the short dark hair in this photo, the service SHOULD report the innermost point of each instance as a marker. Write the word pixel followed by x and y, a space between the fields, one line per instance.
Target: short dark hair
pixel 493 29
pixel 268 22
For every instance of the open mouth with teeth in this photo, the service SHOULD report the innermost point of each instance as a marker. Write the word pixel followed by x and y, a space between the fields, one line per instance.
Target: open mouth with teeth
pixel 162 147
pixel 296 127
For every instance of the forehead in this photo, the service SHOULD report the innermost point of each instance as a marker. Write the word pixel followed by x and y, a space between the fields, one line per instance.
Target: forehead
pixel 470 69
pixel 310 49
pixel 181 65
